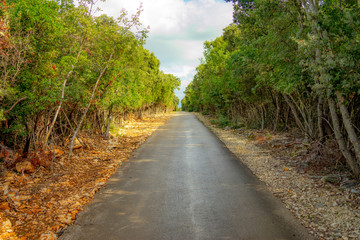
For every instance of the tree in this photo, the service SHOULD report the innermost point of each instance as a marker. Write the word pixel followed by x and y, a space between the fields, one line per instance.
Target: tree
pixel 63 70
pixel 286 64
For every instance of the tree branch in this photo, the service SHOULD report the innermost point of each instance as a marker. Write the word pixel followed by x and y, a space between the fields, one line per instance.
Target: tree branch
pixel 21 99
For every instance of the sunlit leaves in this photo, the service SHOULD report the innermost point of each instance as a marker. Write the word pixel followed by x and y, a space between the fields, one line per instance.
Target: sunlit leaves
pixel 62 52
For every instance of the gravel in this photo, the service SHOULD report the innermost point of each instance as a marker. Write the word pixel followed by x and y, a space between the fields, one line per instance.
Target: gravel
pixel 327 210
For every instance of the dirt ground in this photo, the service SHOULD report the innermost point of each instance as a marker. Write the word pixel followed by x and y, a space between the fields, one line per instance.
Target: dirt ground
pixel 325 200
pixel 41 204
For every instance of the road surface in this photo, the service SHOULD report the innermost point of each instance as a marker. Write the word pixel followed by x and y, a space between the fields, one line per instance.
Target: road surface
pixel 183 183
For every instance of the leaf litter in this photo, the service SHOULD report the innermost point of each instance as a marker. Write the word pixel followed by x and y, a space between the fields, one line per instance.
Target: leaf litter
pixel 40 203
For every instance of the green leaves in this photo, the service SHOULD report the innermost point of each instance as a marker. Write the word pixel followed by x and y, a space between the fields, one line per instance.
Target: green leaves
pixel 60 53
pixel 271 49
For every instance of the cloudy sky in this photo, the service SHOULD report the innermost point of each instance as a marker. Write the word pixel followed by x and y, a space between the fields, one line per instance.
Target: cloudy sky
pixel 178 29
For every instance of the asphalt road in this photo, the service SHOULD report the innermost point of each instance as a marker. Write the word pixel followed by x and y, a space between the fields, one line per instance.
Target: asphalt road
pixel 183 183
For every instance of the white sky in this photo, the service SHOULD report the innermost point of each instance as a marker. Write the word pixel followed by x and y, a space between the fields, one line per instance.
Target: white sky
pixel 178 29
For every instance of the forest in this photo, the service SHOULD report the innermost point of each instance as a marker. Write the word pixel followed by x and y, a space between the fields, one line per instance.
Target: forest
pixel 65 68
pixel 286 65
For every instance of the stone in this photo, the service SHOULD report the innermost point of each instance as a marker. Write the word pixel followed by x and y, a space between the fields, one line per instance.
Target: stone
pixel 355 191
pixel 66 219
pixel 77 144
pixel 349 183
pixel 319 205
pixel 25 167
pixel 48 236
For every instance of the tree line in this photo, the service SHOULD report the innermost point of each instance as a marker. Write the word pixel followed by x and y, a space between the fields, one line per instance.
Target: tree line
pixel 286 64
pixel 64 68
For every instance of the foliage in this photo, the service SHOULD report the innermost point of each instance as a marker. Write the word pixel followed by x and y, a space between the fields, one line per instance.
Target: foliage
pixel 286 65
pixel 55 54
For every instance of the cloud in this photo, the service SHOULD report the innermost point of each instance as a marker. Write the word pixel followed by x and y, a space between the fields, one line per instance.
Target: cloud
pixel 181 71
pixel 178 29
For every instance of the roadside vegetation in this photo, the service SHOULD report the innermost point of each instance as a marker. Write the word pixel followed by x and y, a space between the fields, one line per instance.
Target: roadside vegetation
pixel 78 93
pixel 325 202
pixel 287 66
pixel 66 68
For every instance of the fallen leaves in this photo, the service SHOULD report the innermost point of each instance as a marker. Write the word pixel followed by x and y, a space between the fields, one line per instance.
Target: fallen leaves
pixel 66 219
pixel 39 201
pixel 4 206
pixel 48 236
pixel 6 230
pixel 58 152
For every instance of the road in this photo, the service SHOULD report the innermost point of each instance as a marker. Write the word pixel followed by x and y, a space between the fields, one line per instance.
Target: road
pixel 183 183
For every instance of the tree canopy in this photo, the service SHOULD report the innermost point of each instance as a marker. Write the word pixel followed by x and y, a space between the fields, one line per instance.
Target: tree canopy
pixel 286 64
pixel 64 68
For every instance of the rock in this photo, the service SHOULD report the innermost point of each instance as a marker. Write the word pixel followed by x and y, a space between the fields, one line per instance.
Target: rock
pixel 65 219
pixel 353 236
pixel 349 183
pixel 45 190
pixel 319 205
pixel 48 236
pixel 6 224
pixel 25 167
pixel 17 223
pixel 355 191
pixel 5 189
pixel 328 179
pixel 77 144
pixel 6 229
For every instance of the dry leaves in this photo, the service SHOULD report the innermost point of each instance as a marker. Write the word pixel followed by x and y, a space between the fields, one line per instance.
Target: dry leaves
pixel 40 203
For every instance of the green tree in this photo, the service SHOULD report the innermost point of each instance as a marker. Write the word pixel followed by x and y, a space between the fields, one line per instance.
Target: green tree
pixel 62 67
pixel 286 64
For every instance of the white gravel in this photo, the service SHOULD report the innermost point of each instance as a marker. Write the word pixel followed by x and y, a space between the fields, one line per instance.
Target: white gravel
pixel 327 211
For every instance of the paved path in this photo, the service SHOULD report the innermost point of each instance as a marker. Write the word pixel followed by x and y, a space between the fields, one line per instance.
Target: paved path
pixel 184 184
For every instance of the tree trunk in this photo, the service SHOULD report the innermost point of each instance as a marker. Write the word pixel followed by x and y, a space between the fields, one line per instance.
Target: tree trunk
pixel 140 113
pixel 19 100
pixel 98 121
pixel 62 96
pixel 320 107
pixel 277 113
pixel 306 117
pixel 88 106
pixel 262 118
pixel 47 135
pixel 25 151
pixel 287 118
pixel 296 116
pixel 340 139
pixel 107 131
pixel 348 125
